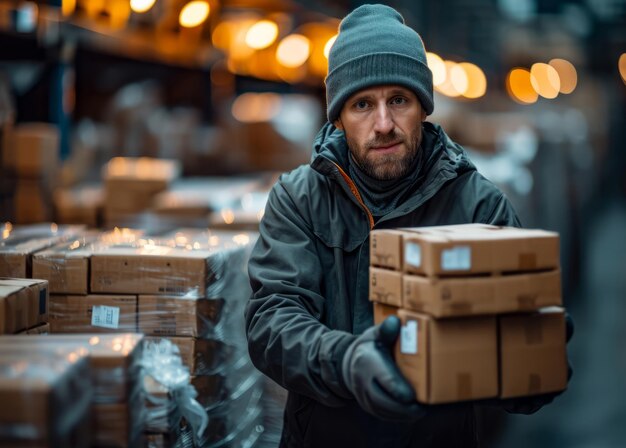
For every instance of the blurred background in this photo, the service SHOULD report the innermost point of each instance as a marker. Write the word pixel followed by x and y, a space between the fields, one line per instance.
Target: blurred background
pixel 220 96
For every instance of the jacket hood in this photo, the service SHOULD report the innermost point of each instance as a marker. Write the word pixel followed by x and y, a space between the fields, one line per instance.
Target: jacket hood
pixel 442 154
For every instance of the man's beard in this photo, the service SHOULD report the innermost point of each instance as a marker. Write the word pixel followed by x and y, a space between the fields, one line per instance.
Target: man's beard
pixel 389 166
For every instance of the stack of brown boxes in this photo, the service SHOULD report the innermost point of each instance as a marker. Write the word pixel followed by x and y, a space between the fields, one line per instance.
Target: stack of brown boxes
pixel 30 156
pixel 187 286
pixel 130 185
pixel 479 309
pixel 23 306
pixel 79 205
pixel 17 245
pixel 114 371
pixel 73 309
pixel 46 397
pixel 199 307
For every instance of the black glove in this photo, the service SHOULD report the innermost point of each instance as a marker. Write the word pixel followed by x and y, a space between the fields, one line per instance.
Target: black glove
pixel 530 405
pixel 371 375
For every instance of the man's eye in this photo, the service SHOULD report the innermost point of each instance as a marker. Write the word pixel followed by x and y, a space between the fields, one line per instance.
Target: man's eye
pixel 398 100
pixel 360 105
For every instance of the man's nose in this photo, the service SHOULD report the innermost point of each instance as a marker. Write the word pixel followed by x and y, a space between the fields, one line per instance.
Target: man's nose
pixel 383 120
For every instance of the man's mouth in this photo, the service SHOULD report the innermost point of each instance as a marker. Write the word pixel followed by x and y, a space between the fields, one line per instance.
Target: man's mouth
pixel 387 147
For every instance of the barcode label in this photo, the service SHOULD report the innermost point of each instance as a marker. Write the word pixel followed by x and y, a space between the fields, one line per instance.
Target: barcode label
pixel 105 316
pixel 413 254
pixel 408 338
pixel 456 258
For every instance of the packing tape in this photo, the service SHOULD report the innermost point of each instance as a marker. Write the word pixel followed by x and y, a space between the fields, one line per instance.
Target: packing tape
pixel 533 330
pixel 527 262
pixel 527 302
pixel 464 386
pixel 534 384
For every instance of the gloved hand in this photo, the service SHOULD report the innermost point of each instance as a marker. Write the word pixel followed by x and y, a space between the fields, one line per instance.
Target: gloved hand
pixel 371 375
pixel 530 405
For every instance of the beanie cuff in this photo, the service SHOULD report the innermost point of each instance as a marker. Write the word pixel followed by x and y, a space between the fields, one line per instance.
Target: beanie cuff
pixel 378 69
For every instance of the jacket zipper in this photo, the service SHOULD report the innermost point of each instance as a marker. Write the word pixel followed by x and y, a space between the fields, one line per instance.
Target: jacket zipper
pixel 356 194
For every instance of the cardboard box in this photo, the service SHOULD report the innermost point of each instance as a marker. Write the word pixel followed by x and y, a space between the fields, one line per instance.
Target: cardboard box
pixel 33 202
pixel 178 316
pixel 448 360
pixel 382 312
pixel 533 357
pixel 204 356
pixel 386 286
pixel 47 396
pixel 93 314
pixel 65 266
pixel 23 304
pixel 113 359
pixel 81 205
pixel 474 295
pixel 131 183
pixel 386 248
pixel 153 270
pixel 33 149
pixel 466 249
pixel 18 244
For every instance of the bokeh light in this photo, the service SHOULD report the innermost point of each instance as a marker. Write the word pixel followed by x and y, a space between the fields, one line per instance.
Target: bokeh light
pixel 437 67
pixel 545 80
pixel 262 34
pixel 293 50
pixel 141 6
pixel 194 13
pixel 476 81
pixel 329 45
pixel 622 67
pixel 519 86
pixel 567 75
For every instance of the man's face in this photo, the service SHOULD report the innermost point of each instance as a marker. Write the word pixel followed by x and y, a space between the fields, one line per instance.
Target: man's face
pixel 383 127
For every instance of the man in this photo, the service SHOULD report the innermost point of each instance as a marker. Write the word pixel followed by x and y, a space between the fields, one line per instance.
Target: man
pixel 376 164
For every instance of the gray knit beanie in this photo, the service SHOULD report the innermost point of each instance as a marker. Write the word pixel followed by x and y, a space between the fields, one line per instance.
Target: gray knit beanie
pixel 375 47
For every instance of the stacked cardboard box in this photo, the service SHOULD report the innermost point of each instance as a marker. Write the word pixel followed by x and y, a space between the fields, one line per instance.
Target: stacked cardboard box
pixel 79 205
pixel 17 245
pixel 477 308
pixel 46 398
pixel 204 320
pixel 188 286
pixel 114 371
pixel 31 157
pixel 23 305
pixel 130 185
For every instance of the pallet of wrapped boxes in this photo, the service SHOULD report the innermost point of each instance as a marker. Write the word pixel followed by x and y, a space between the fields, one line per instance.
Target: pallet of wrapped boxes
pixel 46 399
pixel 479 306
pixel 113 414
pixel 189 287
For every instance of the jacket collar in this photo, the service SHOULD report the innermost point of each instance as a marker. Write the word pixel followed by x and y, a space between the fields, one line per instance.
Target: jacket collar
pixel 445 160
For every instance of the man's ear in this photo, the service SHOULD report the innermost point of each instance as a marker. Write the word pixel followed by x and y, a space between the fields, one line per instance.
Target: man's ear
pixel 424 116
pixel 338 124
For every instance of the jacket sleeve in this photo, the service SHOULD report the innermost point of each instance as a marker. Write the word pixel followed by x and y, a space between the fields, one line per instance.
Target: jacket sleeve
pixel 286 339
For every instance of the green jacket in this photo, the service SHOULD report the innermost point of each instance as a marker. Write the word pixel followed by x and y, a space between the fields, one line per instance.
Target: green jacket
pixel 309 276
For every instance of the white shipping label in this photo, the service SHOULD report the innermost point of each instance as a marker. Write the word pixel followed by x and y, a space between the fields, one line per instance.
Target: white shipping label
pixel 413 254
pixel 456 258
pixel 105 316
pixel 408 338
